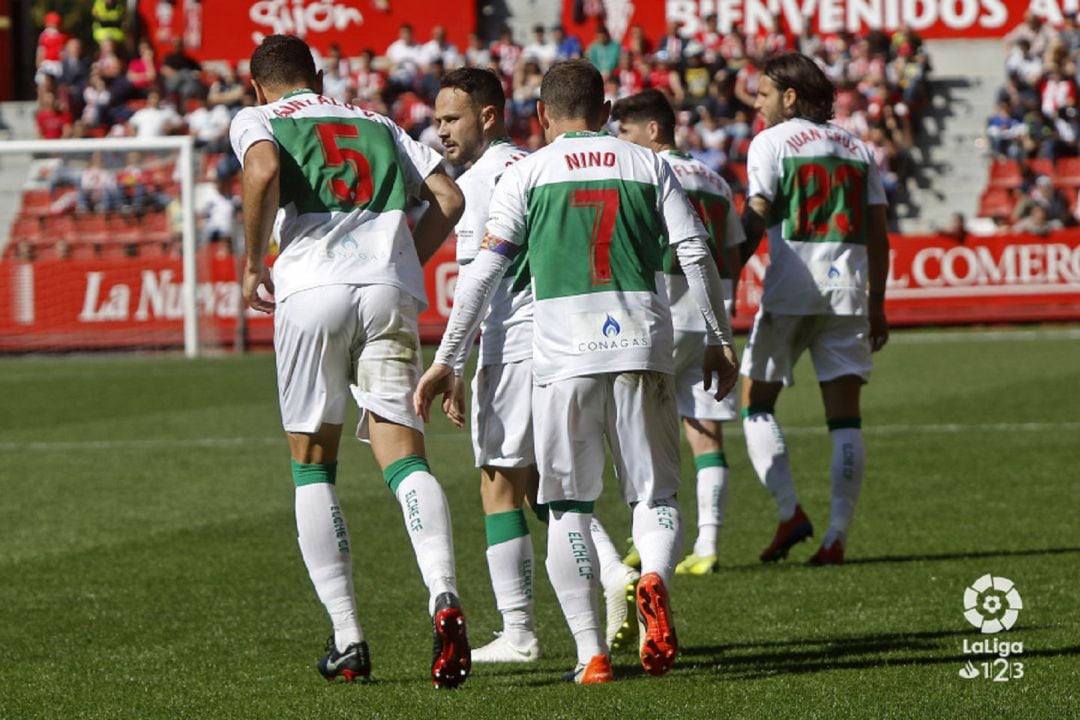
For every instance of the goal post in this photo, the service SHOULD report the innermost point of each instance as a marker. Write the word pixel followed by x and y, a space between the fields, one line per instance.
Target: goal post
pixel 17 175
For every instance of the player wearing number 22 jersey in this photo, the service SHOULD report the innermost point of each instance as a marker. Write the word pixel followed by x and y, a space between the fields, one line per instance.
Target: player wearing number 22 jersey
pixel 347 287
pixel 816 188
pixel 595 215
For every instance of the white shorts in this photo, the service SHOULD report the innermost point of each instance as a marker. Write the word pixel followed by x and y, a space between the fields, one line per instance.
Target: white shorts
pixel 338 340
pixel 691 397
pixel 635 411
pixel 502 432
pixel 839 345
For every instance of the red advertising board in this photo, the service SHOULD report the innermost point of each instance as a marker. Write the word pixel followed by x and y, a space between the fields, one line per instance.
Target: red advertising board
pixel 74 304
pixel 929 18
pixel 231 29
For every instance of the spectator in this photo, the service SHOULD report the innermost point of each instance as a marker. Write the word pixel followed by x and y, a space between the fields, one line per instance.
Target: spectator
pixel 506 52
pixel 477 53
pixel 154 120
pixel 604 52
pixel 336 81
pixel 368 83
pixel 74 67
pixel 108 21
pixel 219 218
pixel 97 101
pixel 544 52
pixel 439 48
pixel 405 58
pixel 1003 130
pixel 97 188
pixel 1034 31
pixel 428 85
pixel 1070 35
pixel 569 47
pixel 527 81
pixel 226 89
pixel 746 81
pixel 136 187
pixel 628 76
pixel 1038 221
pixel 50 49
pixel 636 43
pixel 696 76
pixel 53 118
pixel 672 44
pixel 711 39
pixel 142 71
pixel 181 74
pixel 210 126
pixel 1023 62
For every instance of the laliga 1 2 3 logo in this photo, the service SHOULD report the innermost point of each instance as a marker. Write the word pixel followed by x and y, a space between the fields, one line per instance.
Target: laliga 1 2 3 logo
pixel 992 604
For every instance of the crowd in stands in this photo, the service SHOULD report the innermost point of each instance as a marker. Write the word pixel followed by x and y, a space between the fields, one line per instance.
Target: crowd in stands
pixel 1034 132
pixel 709 75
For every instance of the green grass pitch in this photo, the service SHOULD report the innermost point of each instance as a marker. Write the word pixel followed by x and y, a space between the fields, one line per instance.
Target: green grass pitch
pixel 149 568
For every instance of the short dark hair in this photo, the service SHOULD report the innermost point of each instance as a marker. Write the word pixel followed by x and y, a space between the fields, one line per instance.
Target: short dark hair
pixel 483 86
pixel 283 60
pixel 647 105
pixel 573 89
pixel 815 93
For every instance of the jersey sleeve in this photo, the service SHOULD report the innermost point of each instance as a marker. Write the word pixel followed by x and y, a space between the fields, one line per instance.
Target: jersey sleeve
pixel 680 218
pixel 470 228
pixel 761 169
pixel 418 160
pixel 876 194
pixel 248 128
pixel 506 213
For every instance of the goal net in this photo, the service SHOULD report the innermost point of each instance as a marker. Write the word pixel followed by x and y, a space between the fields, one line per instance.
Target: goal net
pixel 119 244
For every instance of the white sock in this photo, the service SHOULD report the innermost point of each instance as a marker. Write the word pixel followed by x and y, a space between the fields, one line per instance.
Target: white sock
pixel 768 454
pixel 511 566
pixel 611 568
pixel 848 470
pixel 712 493
pixel 427 519
pixel 571 566
pixel 658 536
pixel 324 545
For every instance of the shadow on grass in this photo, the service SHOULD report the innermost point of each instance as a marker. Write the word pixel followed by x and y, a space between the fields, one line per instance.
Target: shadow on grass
pixel 810 655
pixel 928 557
pixel 963 555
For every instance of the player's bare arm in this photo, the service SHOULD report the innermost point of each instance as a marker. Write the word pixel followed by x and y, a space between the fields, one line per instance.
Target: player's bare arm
pixel 753 222
pixel 445 205
pixel 261 191
pixel 877 251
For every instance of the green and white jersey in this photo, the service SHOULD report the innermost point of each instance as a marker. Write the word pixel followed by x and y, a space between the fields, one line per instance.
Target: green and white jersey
pixel 595 215
pixel 711 197
pixel 346 176
pixel 507 328
pixel 820 181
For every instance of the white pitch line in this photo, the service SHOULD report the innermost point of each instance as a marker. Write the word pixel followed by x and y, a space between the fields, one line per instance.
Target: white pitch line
pixel 896 429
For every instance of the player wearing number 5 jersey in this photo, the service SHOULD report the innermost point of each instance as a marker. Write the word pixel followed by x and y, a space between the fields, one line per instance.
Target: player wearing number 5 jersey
pixel 347 287
pixel 595 215
pixel 816 188
pixel 647 119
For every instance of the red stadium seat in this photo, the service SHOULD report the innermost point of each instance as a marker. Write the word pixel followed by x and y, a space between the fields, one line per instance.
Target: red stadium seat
pixel 25 227
pixel 1067 172
pixel 1005 174
pixel 996 202
pixel 91 228
pixel 154 227
pixel 36 202
pixel 1042 166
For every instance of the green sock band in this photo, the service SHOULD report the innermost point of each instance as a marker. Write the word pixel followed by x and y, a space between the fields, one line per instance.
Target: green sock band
pixel 313 473
pixel 541 511
pixel 575 506
pixel 505 526
pixel 398 470
pixel 710 459
pixel 757 410
pixel 854 423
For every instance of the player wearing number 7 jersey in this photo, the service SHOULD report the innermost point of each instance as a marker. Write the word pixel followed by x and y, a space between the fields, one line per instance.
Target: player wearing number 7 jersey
pixel 816 188
pixel 595 215
pixel 347 288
